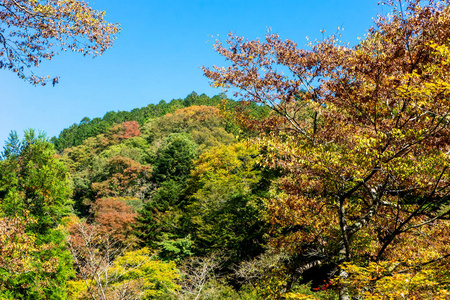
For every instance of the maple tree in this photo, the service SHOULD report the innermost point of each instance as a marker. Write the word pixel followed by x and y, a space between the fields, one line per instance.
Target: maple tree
pixel 362 133
pixel 123 131
pixel 114 217
pixel 36 30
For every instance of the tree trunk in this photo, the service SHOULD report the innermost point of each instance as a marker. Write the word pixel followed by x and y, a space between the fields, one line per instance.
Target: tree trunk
pixel 343 292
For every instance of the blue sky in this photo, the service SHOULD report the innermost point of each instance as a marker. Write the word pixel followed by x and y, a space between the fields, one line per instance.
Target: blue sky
pixel 158 53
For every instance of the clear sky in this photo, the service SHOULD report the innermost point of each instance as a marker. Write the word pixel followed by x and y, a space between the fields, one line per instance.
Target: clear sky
pixel 158 53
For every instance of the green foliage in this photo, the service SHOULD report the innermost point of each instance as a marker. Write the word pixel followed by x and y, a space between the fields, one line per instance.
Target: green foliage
pixel 34 181
pixel 34 191
pixel 174 159
pixel 12 146
pixel 305 292
pixel 161 215
pixel 220 290
pixel 226 207
pixel 128 149
pixel 174 249
pixel 204 124
pixel 115 172
pixel 121 176
pixel 77 133
pixel 155 277
pixel 49 269
pixel 113 164
pixel 134 275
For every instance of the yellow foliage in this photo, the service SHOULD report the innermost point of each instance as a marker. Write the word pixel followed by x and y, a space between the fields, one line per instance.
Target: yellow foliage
pixel 393 280
pixel 136 274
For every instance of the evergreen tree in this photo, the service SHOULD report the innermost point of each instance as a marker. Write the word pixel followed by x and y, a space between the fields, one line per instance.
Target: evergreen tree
pixel 34 196
pixel 160 215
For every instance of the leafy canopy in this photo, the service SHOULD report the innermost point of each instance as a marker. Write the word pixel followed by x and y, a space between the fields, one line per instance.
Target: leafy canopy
pixel 33 30
pixel 362 134
pixel 34 195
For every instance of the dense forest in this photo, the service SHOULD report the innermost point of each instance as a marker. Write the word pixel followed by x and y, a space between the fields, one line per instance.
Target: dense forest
pixel 162 202
pixel 328 179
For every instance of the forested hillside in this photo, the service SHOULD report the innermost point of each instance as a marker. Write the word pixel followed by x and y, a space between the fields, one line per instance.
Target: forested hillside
pixel 329 179
pixel 77 133
pixel 170 194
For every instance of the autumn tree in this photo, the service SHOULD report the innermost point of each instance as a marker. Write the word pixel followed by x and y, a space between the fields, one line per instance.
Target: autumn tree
pixel 77 133
pixel 113 216
pixel 121 177
pixel 112 164
pixel 36 30
pixel 27 267
pixel 362 133
pixel 107 269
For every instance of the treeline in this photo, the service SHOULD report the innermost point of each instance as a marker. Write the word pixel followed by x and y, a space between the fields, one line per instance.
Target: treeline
pixel 77 133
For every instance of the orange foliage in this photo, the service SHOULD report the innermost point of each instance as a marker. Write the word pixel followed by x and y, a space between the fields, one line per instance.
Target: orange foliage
pixel 114 217
pixel 39 29
pixel 363 136
pixel 119 132
pixel 130 129
pixel 199 113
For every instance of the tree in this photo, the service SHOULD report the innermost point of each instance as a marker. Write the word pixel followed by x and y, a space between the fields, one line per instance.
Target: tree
pixel 115 217
pixel 122 177
pixel 197 272
pixel 108 270
pixel 77 133
pixel 34 195
pixel 161 214
pixel 226 205
pixel 36 30
pixel 31 267
pixel 363 135
pixel 34 181
pixel 174 159
pixel 109 165
pixel 12 146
